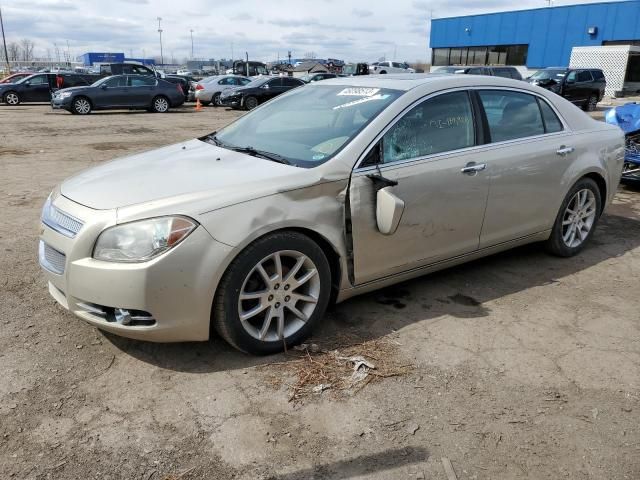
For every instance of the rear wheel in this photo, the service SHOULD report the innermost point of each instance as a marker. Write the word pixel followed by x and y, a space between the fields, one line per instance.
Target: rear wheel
pixel 160 104
pixel 250 103
pixel 273 293
pixel 11 98
pixel 592 103
pixel 81 106
pixel 576 220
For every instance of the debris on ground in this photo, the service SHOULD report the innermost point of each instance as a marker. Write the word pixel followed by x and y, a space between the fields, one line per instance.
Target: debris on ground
pixel 345 367
pixel 448 469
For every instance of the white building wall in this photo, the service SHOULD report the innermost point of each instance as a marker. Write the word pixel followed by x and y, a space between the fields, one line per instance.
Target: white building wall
pixel 611 59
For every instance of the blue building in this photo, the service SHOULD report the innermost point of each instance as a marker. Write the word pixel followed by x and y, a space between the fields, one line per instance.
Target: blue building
pixel 90 58
pixel 537 38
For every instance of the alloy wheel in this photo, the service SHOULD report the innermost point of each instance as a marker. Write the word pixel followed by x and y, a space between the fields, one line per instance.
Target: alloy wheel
pixel 161 105
pixel 578 218
pixel 279 295
pixel 12 98
pixel 593 103
pixel 82 106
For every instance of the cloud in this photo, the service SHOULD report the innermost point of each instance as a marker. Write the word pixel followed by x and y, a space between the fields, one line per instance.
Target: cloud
pixel 362 13
pixel 241 17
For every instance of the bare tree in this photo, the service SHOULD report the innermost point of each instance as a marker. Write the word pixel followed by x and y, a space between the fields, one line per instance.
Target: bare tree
pixel 26 46
pixel 14 51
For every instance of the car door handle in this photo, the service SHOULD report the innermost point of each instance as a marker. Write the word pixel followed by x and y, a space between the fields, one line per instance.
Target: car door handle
pixel 563 150
pixel 472 168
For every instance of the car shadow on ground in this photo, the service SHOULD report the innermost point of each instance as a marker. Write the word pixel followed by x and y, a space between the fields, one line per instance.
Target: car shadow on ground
pixel 460 292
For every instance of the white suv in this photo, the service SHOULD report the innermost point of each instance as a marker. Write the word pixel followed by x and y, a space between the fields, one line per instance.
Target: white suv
pixel 390 67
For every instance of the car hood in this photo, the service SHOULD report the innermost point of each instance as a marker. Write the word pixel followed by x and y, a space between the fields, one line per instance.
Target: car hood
pixel 73 89
pixel 194 175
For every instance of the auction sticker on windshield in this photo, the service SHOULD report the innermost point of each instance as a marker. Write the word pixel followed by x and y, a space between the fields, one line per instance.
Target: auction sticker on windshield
pixel 359 92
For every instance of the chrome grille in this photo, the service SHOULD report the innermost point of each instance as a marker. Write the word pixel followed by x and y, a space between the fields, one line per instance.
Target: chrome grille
pixel 60 221
pixel 51 259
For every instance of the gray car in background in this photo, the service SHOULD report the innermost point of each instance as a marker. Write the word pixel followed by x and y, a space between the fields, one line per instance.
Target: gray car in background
pixel 208 90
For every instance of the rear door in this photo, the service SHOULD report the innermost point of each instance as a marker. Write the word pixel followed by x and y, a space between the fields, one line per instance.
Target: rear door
pixel 526 139
pixel 141 90
pixel 425 152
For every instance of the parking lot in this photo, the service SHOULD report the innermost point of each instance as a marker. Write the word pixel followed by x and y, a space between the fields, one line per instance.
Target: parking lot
pixel 520 365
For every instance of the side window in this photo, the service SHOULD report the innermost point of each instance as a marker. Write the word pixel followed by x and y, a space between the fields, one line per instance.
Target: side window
pixel 440 124
pixel 291 82
pixel 552 123
pixel 597 75
pixel 502 72
pixel 141 81
pixel 116 82
pixel 396 65
pixel 571 77
pixel 584 76
pixel 127 69
pixel 275 83
pixel 39 80
pixel 244 81
pixel 511 115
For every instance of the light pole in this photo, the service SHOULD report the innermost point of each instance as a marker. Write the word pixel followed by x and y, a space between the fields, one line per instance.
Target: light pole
pixel 4 42
pixel 160 32
pixel 191 43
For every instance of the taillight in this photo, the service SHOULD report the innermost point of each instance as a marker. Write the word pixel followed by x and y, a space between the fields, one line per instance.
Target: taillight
pixel 199 87
pixel 180 88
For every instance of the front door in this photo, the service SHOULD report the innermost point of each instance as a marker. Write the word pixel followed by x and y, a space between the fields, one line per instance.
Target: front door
pixel 442 179
pixel 140 91
pixel 111 92
pixel 37 89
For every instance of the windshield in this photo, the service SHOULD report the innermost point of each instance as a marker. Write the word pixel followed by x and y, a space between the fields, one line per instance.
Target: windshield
pixel 100 82
pixel 309 125
pixel 549 75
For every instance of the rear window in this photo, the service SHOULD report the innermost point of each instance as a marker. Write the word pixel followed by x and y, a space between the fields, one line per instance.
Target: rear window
pixel 584 76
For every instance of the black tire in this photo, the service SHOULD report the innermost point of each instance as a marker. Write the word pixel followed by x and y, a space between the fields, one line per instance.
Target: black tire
pixel 556 244
pixel 160 104
pixel 225 313
pixel 250 103
pixel 383 72
pixel 216 100
pixel 11 98
pixel 592 103
pixel 81 106
pixel 205 104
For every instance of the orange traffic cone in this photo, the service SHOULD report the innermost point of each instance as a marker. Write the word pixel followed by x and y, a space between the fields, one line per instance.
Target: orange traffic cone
pixel 198 105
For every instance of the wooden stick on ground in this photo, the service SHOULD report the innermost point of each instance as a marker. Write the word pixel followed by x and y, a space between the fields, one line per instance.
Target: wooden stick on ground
pixel 448 469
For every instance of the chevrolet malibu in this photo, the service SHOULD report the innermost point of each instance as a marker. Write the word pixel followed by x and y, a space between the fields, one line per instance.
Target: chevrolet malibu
pixel 329 191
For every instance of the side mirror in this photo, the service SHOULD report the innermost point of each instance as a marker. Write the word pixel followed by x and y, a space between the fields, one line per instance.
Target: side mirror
pixel 103 86
pixel 266 86
pixel 28 83
pixel 389 210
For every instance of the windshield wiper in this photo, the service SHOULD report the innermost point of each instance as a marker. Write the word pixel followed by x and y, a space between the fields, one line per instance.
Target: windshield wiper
pixel 274 157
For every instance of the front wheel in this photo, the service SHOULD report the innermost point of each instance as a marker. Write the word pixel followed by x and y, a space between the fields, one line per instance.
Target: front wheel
pixel 81 106
pixel 273 294
pixel 160 104
pixel 216 100
pixel 576 220
pixel 11 98
pixel 250 103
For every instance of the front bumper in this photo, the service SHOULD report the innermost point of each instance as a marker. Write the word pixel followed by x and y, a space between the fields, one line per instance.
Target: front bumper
pixel 61 103
pixel 176 288
pixel 235 102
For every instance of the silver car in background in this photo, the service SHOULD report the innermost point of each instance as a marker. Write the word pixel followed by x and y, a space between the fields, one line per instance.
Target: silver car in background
pixel 330 190
pixel 208 90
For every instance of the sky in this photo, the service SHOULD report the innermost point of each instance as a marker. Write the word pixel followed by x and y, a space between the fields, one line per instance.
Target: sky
pixel 352 30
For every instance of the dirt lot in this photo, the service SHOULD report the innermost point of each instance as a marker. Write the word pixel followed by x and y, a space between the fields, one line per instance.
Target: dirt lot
pixel 516 366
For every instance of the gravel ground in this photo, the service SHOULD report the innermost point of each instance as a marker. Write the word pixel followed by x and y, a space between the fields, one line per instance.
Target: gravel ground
pixel 521 365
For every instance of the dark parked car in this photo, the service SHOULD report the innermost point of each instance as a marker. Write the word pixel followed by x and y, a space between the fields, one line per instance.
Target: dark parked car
pixel 582 86
pixel 316 77
pixel 119 92
pixel 107 69
pixel 505 72
pixel 38 87
pixel 258 91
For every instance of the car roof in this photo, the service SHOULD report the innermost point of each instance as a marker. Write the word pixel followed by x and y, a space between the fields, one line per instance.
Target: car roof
pixel 435 81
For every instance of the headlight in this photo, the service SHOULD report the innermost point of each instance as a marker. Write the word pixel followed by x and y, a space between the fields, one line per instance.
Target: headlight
pixel 64 94
pixel 142 240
